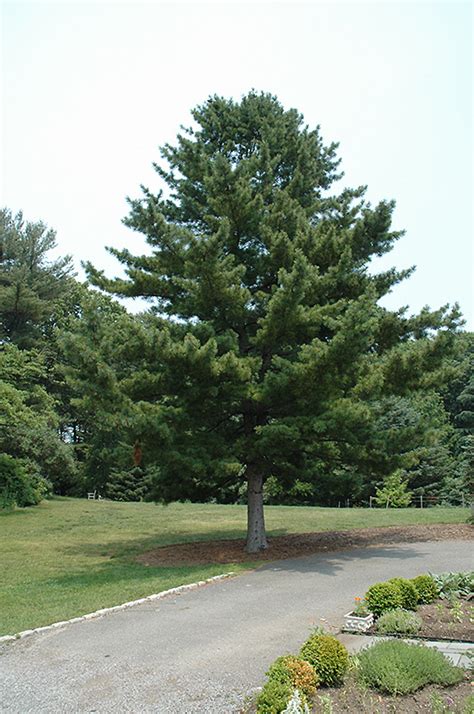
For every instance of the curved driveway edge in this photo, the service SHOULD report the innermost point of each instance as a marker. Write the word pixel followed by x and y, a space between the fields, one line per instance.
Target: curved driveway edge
pixel 203 650
pixel 114 608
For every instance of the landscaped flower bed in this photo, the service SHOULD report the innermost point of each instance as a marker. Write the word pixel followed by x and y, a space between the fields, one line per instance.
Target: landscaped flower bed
pixel 442 620
pixel 441 608
pixel 390 675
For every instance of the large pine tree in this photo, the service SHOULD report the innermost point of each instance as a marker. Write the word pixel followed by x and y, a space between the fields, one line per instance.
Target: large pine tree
pixel 268 328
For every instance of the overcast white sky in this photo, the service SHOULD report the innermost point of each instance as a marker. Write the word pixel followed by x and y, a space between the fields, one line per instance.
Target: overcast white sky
pixel 91 90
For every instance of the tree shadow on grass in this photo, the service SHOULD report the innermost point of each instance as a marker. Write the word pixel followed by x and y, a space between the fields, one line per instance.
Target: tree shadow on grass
pixel 130 547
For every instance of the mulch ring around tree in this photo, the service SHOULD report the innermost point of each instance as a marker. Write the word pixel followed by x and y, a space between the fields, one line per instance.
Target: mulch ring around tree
pixel 296 545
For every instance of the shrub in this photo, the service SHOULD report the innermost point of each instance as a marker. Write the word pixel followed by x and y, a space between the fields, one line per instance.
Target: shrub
pixel 295 672
pixel 17 487
pixel 399 621
pixel 408 592
pixel 426 588
pixel 328 657
pixel 382 597
pixel 400 668
pixel 274 697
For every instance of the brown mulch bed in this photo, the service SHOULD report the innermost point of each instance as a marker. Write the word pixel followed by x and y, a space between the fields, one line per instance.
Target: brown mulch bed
pixel 351 698
pixel 295 545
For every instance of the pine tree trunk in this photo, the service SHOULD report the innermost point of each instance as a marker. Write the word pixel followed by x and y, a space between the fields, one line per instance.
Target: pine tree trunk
pixel 256 538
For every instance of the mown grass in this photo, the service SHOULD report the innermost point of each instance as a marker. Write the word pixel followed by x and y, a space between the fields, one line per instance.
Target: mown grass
pixel 67 557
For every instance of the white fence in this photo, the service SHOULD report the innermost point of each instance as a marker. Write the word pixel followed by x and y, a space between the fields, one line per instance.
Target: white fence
pixel 427 501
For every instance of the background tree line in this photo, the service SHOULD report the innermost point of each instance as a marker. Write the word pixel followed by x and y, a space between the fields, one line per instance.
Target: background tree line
pixel 265 359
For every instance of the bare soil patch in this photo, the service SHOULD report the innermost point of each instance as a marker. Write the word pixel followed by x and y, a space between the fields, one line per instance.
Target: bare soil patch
pixel 352 698
pixel 300 544
pixel 443 621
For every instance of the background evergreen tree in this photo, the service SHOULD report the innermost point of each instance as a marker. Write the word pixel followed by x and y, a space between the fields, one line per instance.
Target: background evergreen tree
pixel 38 295
pixel 274 336
pixel 29 421
pixel 458 397
pixel 108 357
pixel 133 484
pixel 33 288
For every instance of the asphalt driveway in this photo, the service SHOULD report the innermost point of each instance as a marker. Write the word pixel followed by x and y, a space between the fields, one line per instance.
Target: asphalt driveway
pixel 204 650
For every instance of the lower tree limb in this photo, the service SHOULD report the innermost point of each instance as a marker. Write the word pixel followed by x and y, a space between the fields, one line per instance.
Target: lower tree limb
pixel 256 537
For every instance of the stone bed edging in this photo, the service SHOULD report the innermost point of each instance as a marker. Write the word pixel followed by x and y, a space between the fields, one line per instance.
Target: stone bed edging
pixel 115 608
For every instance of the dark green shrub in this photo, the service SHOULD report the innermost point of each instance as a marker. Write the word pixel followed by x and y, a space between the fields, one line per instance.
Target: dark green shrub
pixel 399 668
pixel 274 697
pixel 381 597
pixel 426 588
pixel 295 672
pixel 400 622
pixel 408 592
pixel 328 657
pixel 17 488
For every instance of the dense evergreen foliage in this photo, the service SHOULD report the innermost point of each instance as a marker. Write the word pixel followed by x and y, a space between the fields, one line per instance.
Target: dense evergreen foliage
pixel 265 368
pixel 34 290
pixel 277 341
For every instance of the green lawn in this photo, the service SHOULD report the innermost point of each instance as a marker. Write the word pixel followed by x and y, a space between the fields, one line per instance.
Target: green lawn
pixel 67 557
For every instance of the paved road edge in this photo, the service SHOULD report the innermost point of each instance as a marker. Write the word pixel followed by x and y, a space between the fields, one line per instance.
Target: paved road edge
pixel 115 608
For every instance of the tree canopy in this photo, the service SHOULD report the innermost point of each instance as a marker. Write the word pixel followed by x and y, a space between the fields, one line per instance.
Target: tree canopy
pixel 268 336
pixel 32 287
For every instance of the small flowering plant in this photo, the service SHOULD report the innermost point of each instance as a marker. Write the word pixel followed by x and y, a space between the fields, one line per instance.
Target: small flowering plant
pixel 360 608
pixel 359 619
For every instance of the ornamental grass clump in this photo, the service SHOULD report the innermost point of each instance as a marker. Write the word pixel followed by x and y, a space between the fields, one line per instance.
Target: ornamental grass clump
pixel 328 656
pixel 408 592
pixel 396 667
pixel 382 597
pixel 426 589
pixel 399 622
pixel 296 672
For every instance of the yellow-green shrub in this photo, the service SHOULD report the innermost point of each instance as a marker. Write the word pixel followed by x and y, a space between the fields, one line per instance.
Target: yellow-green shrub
pixel 328 656
pixel 382 597
pixel 274 697
pixel 408 592
pixel 426 589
